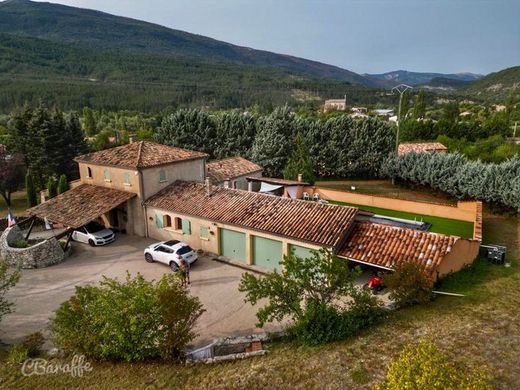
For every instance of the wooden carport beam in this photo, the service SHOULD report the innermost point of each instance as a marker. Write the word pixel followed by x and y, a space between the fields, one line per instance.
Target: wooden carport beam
pixel 67 233
pixel 32 219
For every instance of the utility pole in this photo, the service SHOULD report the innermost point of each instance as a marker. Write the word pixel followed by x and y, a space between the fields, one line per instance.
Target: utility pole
pixel 400 89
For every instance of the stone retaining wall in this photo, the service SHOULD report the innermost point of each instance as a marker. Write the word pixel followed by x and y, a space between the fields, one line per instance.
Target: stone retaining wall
pixel 39 255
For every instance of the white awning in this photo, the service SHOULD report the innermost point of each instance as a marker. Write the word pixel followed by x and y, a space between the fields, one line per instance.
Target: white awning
pixel 265 187
pixel 292 191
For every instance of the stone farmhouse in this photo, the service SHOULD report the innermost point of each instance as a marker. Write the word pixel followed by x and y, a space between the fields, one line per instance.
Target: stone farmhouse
pixel 162 192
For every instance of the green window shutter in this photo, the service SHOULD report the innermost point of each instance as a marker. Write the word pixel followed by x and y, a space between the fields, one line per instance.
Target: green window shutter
pixel 186 226
pixel 204 232
pixel 162 175
pixel 126 177
pixel 159 221
pixel 108 176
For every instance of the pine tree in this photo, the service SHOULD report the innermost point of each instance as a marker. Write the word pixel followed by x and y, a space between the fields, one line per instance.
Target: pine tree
pixel 299 163
pixel 63 184
pixel 32 198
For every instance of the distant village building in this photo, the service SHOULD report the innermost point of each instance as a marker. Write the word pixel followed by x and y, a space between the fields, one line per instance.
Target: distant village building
pixel 358 115
pixel 426 147
pixel 384 112
pixel 359 110
pixel 335 104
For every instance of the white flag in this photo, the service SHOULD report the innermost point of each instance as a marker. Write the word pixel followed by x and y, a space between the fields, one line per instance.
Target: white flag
pixel 10 218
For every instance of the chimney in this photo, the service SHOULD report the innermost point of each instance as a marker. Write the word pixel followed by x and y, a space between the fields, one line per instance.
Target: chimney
pixel 226 183
pixel 250 186
pixel 300 177
pixel 131 138
pixel 208 186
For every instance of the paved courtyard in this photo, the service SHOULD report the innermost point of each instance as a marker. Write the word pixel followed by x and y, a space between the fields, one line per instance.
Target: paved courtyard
pixel 41 291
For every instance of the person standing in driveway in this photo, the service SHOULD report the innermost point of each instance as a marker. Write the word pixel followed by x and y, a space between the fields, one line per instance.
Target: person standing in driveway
pixel 184 270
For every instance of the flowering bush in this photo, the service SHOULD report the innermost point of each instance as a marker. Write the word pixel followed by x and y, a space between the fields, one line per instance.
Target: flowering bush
pixel 424 366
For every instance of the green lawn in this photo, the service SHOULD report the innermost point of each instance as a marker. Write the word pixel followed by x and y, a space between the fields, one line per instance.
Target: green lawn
pixel 18 205
pixel 439 225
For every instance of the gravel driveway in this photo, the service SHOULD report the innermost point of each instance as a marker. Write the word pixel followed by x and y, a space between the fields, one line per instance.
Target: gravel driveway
pixel 40 291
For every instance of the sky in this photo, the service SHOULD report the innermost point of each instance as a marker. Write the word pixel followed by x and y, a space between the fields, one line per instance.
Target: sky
pixel 365 36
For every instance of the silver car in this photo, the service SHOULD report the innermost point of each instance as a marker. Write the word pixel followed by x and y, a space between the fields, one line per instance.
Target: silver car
pixel 93 234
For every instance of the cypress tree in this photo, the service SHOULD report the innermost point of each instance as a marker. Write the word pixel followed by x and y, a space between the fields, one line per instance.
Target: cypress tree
pixel 419 108
pixel 52 187
pixel 299 162
pixel 32 198
pixel 63 184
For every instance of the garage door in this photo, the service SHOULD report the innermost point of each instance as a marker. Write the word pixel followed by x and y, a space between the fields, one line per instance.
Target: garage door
pixel 267 253
pixel 301 251
pixel 233 244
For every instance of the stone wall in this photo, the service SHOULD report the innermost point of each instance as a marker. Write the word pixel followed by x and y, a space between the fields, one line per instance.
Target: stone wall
pixel 39 255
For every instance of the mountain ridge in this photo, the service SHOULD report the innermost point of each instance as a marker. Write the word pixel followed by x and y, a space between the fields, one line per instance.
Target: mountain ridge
pixel 419 78
pixel 64 24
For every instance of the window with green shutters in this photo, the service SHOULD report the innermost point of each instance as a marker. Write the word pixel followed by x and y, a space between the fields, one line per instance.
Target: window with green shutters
pixel 186 226
pixel 107 175
pixel 162 175
pixel 126 178
pixel 204 232
pixel 159 221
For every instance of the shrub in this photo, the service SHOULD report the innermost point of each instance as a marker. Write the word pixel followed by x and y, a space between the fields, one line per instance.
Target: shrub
pixel 62 243
pixel 308 291
pixel 133 320
pixel 409 285
pixel 33 344
pixel 17 354
pixel 424 366
pixel 20 244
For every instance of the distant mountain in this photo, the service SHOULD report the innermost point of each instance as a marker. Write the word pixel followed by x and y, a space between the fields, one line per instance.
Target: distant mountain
pixel 496 86
pixel 98 30
pixel 418 78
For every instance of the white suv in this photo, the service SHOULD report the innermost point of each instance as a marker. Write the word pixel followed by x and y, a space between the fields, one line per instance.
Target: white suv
pixel 168 252
pixel 93 234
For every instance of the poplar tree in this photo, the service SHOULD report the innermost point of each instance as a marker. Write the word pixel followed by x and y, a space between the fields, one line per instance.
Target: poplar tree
pixel 299 162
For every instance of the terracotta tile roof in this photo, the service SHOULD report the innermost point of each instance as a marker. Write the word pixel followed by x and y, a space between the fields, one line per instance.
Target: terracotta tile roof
pixel 386 246
pixel 304 221
pixel 141 154
pixel 229 168
pixel 422 147
pixel 80 205
pixel 281 182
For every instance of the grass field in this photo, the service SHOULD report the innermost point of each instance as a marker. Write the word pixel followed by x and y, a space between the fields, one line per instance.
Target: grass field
pixel 18 205
pixel 481 329
pixel 439 225
pixel 386 188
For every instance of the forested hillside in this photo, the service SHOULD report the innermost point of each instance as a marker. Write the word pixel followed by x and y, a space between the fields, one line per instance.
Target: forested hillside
pixel 100 30
pixel 496 86
pixel 73 77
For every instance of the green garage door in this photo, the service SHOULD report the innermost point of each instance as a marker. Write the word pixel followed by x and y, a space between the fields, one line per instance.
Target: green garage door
pixel 300 251
pixel 233 244
pixel 267 253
